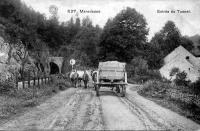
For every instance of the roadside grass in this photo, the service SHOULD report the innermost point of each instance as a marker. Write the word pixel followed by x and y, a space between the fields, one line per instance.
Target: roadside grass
pixel 157 92
pixel 15 102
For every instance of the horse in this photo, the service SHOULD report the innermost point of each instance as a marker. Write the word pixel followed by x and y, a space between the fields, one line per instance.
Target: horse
pixel 94 77
pixel 85 78
pixel 74 78
pixel 80 76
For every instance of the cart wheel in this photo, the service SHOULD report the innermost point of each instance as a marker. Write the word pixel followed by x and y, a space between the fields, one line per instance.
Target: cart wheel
pixel 97 90
pixel 123 91
pixel 118 89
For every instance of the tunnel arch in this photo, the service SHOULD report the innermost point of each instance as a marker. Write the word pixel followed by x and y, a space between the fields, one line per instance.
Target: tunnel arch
pixel 54 68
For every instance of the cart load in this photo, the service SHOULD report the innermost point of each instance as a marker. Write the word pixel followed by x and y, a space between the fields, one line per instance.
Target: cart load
pixel 111 74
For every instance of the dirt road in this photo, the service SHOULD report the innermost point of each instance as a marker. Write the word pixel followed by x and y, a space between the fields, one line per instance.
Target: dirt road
pixel 78 108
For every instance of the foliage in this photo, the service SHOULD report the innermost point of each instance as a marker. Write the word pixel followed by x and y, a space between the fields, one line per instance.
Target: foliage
pixel 154 56
pixel 174 71
pixel 165 41
pixel 155 88
pixel 137 66
pixel 181 79
pixel 7 84
pixel 123 37
pixel 61 81
pixel 138 71
pixel 85 42
pixel 195 87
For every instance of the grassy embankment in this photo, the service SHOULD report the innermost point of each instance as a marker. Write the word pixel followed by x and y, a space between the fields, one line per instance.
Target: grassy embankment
pixel 180 99
pixel 15 102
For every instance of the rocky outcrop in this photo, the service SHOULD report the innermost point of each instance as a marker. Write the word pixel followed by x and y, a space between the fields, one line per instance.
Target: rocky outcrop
pixel 10 62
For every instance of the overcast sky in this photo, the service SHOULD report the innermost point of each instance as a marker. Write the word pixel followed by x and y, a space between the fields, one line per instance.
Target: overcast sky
pixel 188 23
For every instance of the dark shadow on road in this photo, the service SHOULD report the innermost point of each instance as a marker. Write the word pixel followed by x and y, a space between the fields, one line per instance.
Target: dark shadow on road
pixel 107 93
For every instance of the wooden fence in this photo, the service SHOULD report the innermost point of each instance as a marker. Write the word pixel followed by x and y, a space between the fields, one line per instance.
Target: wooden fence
pixel 36 80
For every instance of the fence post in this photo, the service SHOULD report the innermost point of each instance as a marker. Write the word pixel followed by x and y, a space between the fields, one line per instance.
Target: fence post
pixel 38 78
pixel 29 79
pixel 16 80
pixel 23 84
pixel 34 78
pixel 42 79
pixel 45 79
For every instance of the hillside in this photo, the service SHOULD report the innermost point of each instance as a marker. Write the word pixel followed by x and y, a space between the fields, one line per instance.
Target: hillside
pixel 196 40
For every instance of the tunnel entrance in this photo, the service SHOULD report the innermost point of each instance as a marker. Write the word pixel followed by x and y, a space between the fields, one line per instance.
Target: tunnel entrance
pixel 54 69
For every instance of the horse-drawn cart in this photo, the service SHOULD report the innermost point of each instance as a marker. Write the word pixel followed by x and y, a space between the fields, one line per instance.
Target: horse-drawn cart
pixel 111 74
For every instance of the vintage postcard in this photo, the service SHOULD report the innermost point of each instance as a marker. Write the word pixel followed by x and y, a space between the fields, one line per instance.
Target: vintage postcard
pixel 100 65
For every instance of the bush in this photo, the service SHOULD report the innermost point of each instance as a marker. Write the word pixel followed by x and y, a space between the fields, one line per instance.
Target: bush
pixel 6 84
pixel 155 88
pixel 61 81
pixel 154 74
pixel 181 79
pixel 138 71
pixel 195 87
pixel 149 75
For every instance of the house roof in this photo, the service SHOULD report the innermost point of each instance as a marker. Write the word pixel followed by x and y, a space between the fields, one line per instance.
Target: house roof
pixel 181 53
pixel 184 60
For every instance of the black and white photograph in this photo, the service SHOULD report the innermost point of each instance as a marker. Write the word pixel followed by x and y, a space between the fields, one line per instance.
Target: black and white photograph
pixel 100 65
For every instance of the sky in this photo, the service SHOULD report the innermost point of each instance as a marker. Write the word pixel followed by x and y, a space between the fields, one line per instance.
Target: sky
pixel 188 23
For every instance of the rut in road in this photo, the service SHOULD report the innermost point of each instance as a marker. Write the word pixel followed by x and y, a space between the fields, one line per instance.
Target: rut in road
pixel 149 122
pixel 74 108
pixel 80 109
pixel 158 117
pixel 130 113
pixel 40 116
pixel 121 113
pixel 82 112
pixel 118 115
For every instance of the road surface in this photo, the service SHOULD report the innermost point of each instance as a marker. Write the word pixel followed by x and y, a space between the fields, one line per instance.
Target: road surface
pixel 78 108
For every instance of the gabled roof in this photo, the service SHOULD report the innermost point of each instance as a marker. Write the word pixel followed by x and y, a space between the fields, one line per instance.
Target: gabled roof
pixel 184 60
pixel 181 53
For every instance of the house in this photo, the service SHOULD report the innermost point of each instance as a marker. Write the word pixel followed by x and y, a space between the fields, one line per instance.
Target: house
pixel 184 60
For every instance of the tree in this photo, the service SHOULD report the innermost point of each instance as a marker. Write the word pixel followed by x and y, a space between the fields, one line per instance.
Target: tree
pixel 187 43
pixel 124 36
pixel 198 44
pixel 174 71
pixel 137 66
pixel 86 41
pixel 165 41
pixel 168 38
pixel 86 22
pixel 181 79
pixel 154 56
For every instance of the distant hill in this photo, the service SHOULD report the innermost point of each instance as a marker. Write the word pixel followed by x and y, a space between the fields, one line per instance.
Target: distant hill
pixel 196 40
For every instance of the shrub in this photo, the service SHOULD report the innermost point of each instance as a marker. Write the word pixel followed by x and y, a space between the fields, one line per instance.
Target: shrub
pixel 61 81
pixel 7 82
pixel 149 75
pixel 181 79
pixel 138 71
pixel 155 88
pixel 154 74
pixel 196 87
pixel 174 71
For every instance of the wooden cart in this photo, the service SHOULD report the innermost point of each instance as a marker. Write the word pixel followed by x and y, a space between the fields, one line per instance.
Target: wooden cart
pixel 111 74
